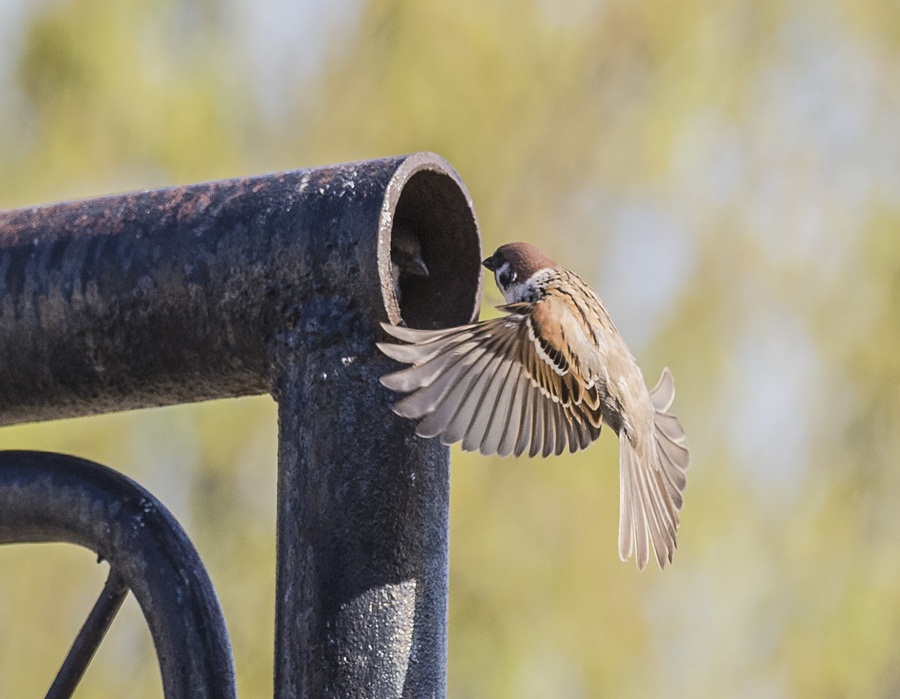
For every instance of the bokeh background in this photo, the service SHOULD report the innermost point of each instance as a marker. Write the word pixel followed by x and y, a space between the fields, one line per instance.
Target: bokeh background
pixel 726 173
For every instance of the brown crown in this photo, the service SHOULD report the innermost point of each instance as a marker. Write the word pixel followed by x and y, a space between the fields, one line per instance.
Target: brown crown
pixel 524 259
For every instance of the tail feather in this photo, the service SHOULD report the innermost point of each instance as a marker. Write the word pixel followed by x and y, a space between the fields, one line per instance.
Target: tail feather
pixel 652 482
pixel 663 393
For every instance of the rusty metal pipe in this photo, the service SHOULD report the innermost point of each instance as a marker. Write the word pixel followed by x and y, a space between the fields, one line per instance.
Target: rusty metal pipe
pixel 175 295
pixel 271 284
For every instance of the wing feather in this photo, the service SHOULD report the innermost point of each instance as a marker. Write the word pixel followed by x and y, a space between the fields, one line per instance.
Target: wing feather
pixel 420 337
pixel 424 374
pixel 537 425
pixel 485 409
pixel 527 435
pixel 452 415
pixel 433 395
pixel 501 414
pixel 547 409
pixel 513 425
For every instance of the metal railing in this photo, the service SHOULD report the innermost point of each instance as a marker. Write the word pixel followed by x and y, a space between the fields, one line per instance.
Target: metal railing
pixel 52 497
pixel 270 284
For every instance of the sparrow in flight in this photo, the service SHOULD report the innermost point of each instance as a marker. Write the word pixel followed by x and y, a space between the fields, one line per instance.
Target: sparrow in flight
pixel 545 377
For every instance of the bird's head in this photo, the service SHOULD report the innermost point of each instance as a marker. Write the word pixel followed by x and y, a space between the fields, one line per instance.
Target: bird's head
pixel 517 268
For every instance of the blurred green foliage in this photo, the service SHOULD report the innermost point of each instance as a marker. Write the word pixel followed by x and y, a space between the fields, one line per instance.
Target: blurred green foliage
pixel 725 173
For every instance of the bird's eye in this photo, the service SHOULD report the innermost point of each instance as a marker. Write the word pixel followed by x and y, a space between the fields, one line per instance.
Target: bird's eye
pixel 506 277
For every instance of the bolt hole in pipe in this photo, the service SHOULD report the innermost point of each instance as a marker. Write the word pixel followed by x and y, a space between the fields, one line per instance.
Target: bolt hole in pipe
pixel 427 200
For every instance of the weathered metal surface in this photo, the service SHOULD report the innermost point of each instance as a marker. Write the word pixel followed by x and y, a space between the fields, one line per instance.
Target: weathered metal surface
pixel 51 497
pixel 363 526
pixel 271 284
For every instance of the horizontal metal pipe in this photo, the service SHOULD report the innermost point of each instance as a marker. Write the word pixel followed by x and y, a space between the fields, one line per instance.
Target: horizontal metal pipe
pixel 175 295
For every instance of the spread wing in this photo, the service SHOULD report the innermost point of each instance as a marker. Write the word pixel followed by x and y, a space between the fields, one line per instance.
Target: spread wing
pixel 502 386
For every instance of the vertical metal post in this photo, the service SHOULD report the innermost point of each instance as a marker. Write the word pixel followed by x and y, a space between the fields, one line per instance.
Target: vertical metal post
pixel 363 504
pixel 363 531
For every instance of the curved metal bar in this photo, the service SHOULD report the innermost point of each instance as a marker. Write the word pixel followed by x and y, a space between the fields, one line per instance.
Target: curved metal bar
pixel 54 497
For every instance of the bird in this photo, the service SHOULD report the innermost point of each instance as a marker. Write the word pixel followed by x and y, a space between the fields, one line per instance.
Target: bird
pixel 406 258
pixel 543 377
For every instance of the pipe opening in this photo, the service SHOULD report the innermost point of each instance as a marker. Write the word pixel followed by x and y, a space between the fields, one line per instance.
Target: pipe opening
pixel 430 213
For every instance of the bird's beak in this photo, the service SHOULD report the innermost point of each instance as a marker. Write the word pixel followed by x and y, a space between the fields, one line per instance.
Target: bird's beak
pixel 417 267
pixel 490 264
